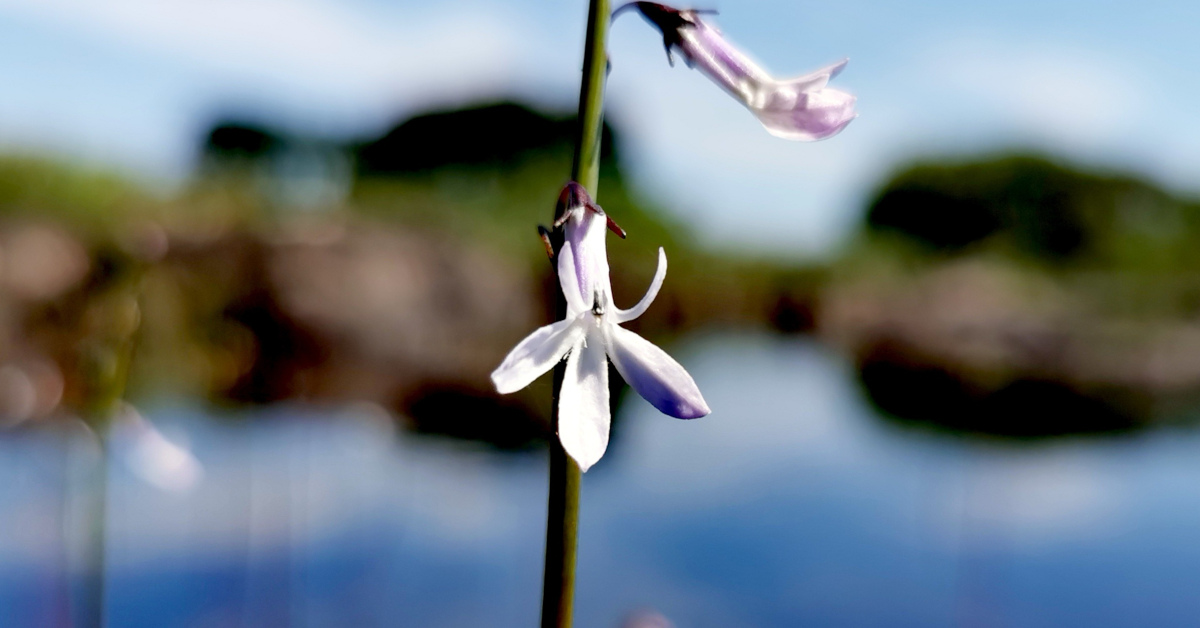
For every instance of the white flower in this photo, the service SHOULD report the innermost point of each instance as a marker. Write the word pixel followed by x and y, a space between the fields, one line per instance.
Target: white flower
pixel 590 336
pixel 153 457
pixel 802 108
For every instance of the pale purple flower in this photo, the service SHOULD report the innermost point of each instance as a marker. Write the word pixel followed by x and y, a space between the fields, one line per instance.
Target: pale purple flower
pixel 153 457
pixel 590 336
pixel 802 108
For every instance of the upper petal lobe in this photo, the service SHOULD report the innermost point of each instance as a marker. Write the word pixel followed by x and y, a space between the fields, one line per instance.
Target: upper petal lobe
pixel 571 289
pixel 624 316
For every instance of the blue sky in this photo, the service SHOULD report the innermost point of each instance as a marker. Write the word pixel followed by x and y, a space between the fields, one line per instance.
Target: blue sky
pixel 133 83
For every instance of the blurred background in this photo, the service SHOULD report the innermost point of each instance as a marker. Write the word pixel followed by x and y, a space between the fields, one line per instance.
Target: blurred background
pixel 953 354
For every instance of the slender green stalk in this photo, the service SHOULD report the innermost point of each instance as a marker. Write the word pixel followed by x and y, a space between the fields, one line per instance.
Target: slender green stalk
pixel 106 360
pixel 586 168
pixel 562 517
pixel 93 612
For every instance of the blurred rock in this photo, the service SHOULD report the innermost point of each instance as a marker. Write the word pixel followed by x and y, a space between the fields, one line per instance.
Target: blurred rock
pixel 475 414
pixel 355 311
pixel 40 262
pixel 1022 296
pixel 985 346
pixel 31 387
pixel 289 270
pixel 18 395
pixel 411 304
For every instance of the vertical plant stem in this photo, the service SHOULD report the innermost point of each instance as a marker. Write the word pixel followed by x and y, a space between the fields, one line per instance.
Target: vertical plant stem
pixel 106 362
pixel 562 525
pixel 586 167
pixel 562 518
pixel 93 614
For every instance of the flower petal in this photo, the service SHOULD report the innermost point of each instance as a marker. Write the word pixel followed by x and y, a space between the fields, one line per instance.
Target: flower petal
pixel 586 231
pixel 567 281
pixel 815 80
pixel 583 415
pixel 624 316
pixel 801 108
pixel 806 116
pixel 657 377
pixel 535 355
pixel 707 49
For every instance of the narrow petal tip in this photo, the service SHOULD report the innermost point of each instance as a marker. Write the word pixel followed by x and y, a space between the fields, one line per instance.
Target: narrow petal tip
pixel 656 376
pixel 683 406
pixel 837 68
pixel 585 463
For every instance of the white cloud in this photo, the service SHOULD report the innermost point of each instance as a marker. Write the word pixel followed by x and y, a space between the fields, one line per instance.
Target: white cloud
pixel 311 44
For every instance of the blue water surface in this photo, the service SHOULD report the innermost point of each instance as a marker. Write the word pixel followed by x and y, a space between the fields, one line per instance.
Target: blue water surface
pixel 793 504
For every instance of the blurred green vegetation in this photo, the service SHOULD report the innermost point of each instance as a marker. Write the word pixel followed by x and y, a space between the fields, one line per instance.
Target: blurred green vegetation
pixel 1020 295
pixel 1130 246
pixel 1034 207
pixel 399 269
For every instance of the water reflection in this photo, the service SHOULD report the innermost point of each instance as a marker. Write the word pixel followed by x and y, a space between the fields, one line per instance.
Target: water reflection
pixel 793 504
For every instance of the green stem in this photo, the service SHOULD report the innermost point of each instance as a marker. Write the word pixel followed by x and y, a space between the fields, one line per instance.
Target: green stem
pixel 107 360
pixel 93 613
pixel 562 517
pixel 562 526
pixel 586 167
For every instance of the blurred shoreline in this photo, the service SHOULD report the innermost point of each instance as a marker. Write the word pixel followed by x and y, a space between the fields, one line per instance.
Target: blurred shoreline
pixel 1012 296
pixel 402 285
